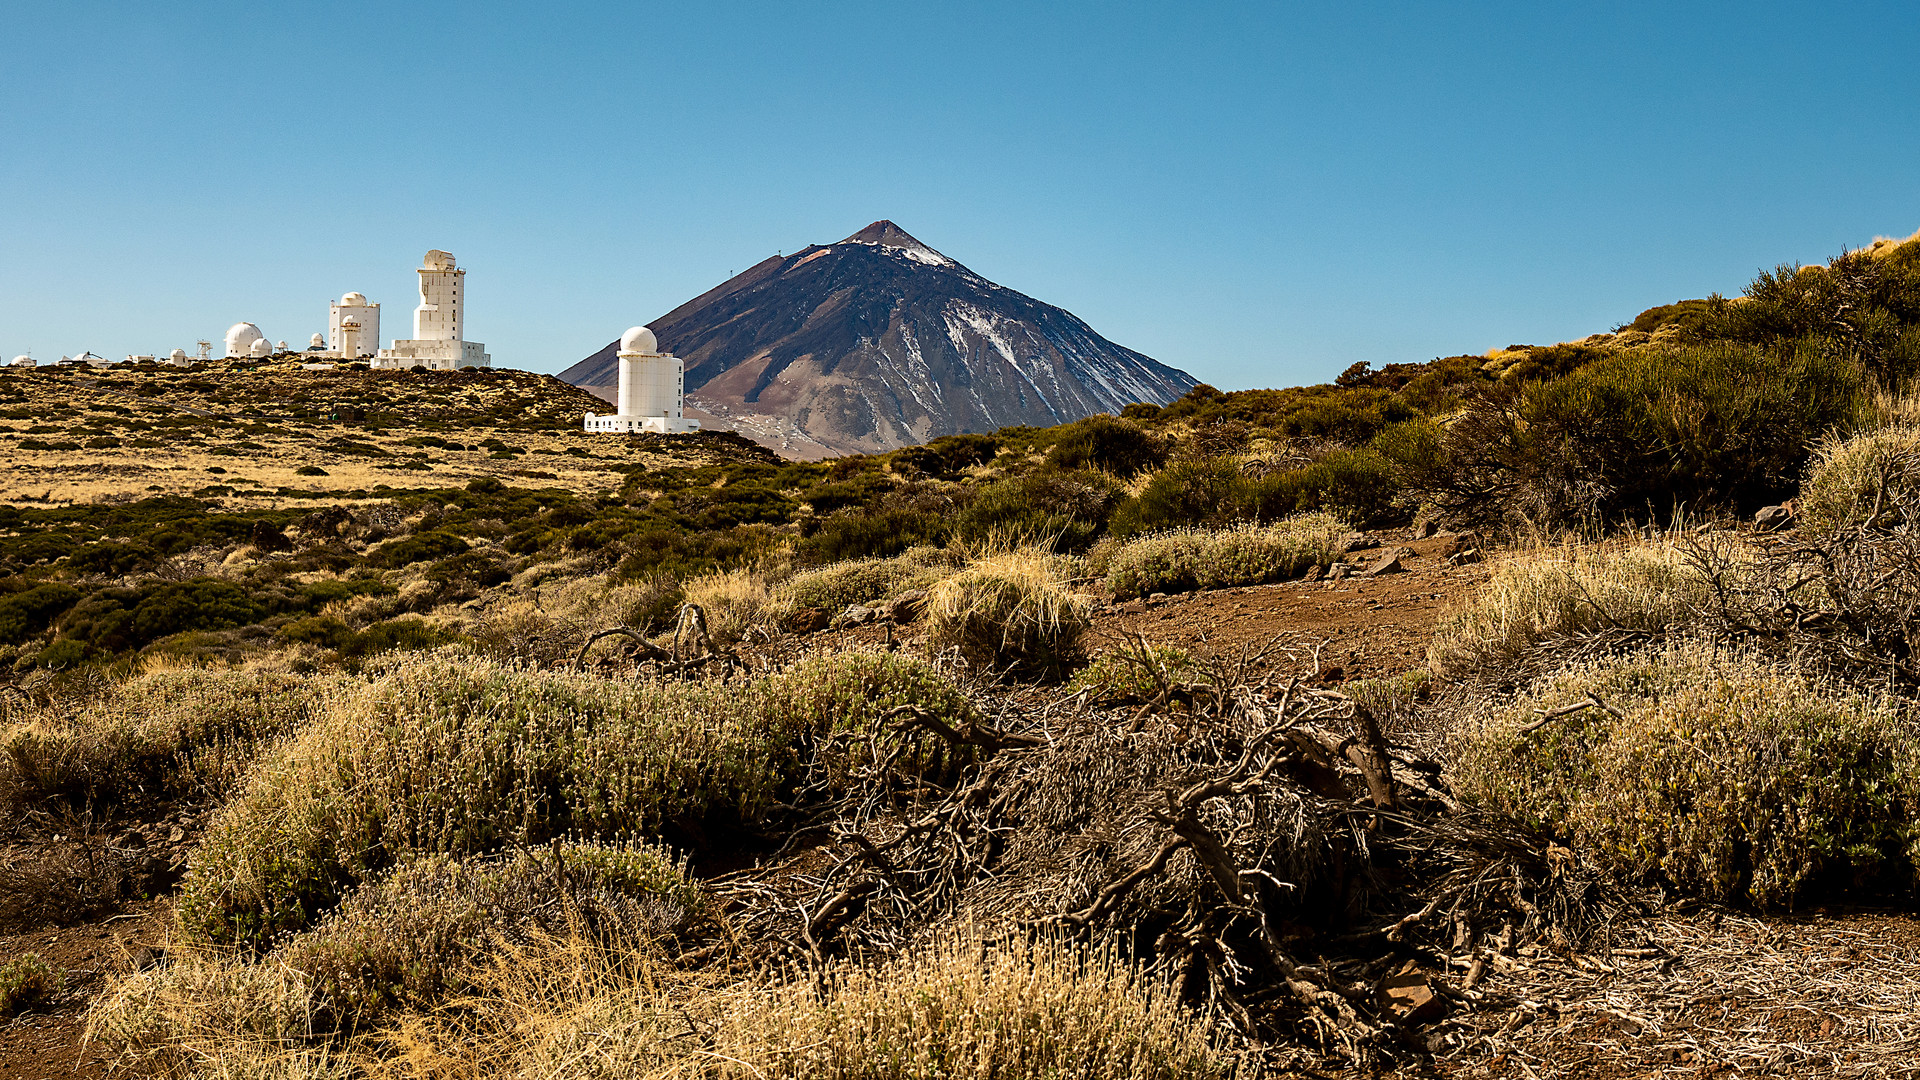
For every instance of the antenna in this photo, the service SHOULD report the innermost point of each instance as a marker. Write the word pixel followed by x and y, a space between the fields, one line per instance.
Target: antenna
pixel 206 351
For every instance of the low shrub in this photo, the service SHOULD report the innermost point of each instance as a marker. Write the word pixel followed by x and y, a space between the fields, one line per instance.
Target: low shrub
pixel 1852 480
pixel 448 753
pixel 1132 676
pixel 1010 611
pixel 410 938
pixel 1535 601
pixel 1186 559
pixel 1718 773
pixel 166 735
pixel 861 581
pixel 1061 509
pixel 734 602
pixel 1115 445
pixel 26 981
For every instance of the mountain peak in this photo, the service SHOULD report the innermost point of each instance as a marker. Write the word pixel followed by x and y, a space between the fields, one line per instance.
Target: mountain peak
pixel 885 234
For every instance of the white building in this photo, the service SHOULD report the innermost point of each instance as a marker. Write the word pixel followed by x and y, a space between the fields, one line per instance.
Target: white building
pixel 439 323
pixel 354 308
pixel 178 358
pixel 241 337
pixel 653 390
pixel 23 361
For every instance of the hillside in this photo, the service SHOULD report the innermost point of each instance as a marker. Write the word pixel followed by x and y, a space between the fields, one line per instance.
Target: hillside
pixel 364 724
pixel 878 342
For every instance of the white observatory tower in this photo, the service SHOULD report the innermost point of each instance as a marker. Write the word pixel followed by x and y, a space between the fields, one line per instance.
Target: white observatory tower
pixel 652 390
pixel 439 323
pixel 353 308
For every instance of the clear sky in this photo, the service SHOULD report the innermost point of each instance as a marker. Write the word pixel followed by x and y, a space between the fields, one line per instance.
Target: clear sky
pixel 1260 193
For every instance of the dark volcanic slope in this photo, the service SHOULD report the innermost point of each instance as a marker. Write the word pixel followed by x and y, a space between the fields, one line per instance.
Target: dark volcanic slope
pixel 879 341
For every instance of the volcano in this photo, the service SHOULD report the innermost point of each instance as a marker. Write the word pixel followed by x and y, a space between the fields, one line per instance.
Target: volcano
pixel 879 341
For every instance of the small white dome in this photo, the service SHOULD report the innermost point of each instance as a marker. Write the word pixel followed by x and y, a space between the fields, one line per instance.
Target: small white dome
pixel 261 348
pixel 23 361
pixel 317 342
pixel 240 338
pixel 638 341
pixel 353 299
pixel 177 355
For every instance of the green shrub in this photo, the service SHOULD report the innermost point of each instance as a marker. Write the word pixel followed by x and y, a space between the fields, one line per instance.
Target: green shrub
pixel 1246 555
pixel 28 612
pixel 861 581
pixel 1118 446
pixel 448 753
pixel 1055 507
pixel 1359 486
pixel 430 546
pixel 1010 611
pixel 1721 774
pixel 26 981
pixel 1131 676
pixel 1191 491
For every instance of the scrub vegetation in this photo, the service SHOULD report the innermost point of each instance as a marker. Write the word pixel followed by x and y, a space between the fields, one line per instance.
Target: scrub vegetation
pixel 673 758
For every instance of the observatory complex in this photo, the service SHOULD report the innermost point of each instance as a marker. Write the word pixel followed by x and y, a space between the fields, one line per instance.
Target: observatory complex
pixel 652 390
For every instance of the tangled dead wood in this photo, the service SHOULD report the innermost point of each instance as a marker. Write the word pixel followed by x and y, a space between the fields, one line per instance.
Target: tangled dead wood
pixel 1265 844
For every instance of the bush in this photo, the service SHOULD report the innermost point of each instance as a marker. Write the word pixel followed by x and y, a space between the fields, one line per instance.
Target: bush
pixel 1718 773
pixel 833 588
pixel 1132 676
pixel 1246 555
pixel 733 602
pixel 1010 611
pixel 167 735
pixel 412 937
pixel 446 753
pixel 1360 486
pixel 1533 602
pixel 1118 446
pixel 1061 509
pixel 1192 491
pixel 1852 479
pixel 26 981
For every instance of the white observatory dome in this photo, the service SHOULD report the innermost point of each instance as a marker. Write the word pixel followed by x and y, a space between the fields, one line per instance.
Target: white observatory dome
pixel 178 356
pixel 638 341
pixel 318 342
pixel 261 348
pixel 281 347
pixel 23 361
pixel 353 299
pixel 240 338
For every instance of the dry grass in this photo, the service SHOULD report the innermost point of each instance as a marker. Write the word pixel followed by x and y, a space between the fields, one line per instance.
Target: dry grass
pixel 1535 600
pixel 736 604
pixel 958 1007
pixel 1186 559
pixel 1012 610
pixel 860 581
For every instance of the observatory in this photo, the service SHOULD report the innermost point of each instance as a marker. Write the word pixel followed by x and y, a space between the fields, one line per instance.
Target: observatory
pixel 365 317
pixel 652 390
pixel 23 361
pixel 439 323
pixel 241 337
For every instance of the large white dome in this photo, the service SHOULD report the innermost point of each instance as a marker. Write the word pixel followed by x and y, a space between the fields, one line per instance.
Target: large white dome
pixel 638 341
pixel 353 299
pixel 23 361
pixel 240 338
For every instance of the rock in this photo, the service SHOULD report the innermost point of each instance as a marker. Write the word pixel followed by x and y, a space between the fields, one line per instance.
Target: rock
pixel 1773 517
pixel 1339 571
pixel 856 615
pixel 130 840
pixel 1463 558
pixel 1460 541
pixel 1315 572
pixel 1358 542
pixel 1157 598
pixel 1424 529
pixel 906 607
pixel 1389 565
pixel 806 621
pixel 1412 998
pixel 177 835
pixel 146 956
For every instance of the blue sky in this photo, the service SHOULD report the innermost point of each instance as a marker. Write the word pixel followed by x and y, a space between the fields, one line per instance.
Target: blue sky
pixel 1259 193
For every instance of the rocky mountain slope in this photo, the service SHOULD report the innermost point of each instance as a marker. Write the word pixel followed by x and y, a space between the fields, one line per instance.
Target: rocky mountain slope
pixel 878 342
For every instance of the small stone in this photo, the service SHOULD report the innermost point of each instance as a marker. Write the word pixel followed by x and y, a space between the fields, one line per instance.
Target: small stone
pixel 1463 558
pixel 1773 517
pixel 856 615
pixel 1315 572
pixel 1339 571
pixel 1411 997
pixel 906 607
pixel 177 835
pixel 145 956
pixel 1358 542
pixel 1157 598
pixel 1389 565
pixel 130 840
pixel 807 621
pixel 1424 529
